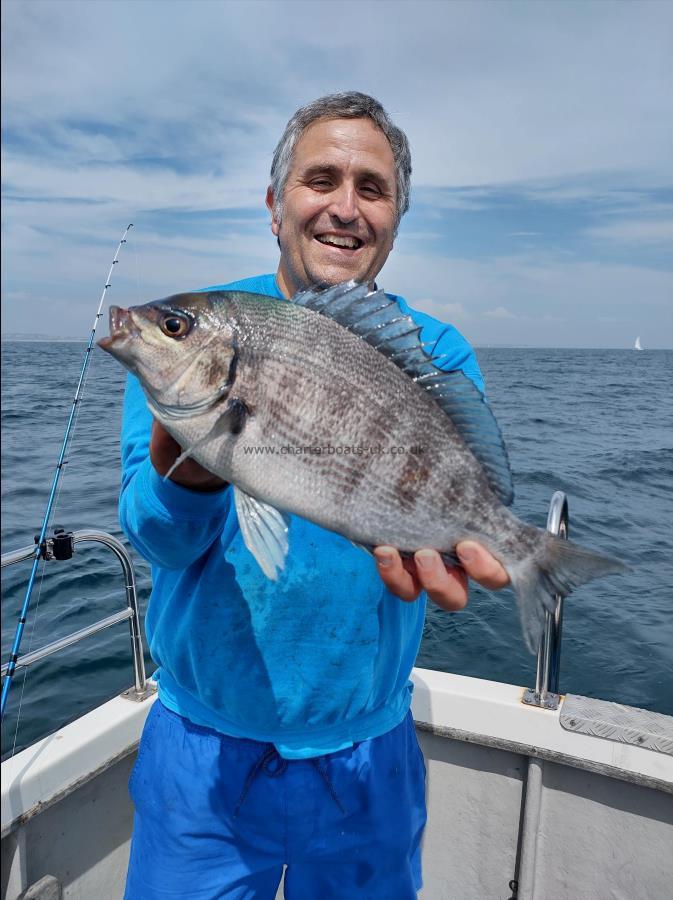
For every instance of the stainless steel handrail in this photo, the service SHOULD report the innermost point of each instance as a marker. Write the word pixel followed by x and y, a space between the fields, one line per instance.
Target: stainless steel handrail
pixel 549 652
pixel 557 523
pixel 142 688
pixel 544 695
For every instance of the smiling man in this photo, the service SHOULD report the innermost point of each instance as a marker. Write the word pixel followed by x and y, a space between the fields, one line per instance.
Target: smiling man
pixel 335 216
pixel 282 736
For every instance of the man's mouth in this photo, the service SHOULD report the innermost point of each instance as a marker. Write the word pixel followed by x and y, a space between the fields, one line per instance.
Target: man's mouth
pixel 346 241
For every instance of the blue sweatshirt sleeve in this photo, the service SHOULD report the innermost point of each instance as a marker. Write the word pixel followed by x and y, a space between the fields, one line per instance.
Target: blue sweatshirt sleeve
pixel 169 525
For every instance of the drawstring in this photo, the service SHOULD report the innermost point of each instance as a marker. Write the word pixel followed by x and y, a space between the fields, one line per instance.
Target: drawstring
pixel 270 755
pixel 325 777
pixel 272 764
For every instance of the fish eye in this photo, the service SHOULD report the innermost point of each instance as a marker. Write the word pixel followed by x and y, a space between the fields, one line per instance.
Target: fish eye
pixel 175 325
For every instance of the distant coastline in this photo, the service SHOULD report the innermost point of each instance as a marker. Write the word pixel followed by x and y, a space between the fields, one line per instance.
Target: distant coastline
pixel 29 337
pixel 36 338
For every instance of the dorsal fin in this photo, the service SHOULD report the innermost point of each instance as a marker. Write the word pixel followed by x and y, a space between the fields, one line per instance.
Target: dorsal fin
pixel 380 321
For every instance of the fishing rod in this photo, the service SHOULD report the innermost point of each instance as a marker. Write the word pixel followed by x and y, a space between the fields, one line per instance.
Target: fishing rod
pixel 40 541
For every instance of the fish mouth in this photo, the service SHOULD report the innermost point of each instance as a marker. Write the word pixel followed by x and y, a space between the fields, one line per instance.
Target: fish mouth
pixel 121 326
pixel 341 242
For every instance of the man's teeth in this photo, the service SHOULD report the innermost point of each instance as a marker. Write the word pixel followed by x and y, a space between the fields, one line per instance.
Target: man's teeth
pixel 338 241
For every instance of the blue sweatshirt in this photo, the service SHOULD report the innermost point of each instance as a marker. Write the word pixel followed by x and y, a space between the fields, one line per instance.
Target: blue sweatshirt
pixel 313 662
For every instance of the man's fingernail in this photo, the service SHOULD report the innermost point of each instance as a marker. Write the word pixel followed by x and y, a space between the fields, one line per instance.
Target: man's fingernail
pixel 384 559
pixel 466 554
pixel 425 559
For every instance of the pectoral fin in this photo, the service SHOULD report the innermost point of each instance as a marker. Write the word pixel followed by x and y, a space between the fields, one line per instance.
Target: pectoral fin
pixel 264 530
pixel 232 421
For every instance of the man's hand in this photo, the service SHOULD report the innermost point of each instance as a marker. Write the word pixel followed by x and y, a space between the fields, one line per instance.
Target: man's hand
pixel 445 585
pixel 164 450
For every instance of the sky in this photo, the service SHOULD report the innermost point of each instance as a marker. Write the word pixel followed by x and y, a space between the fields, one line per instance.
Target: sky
pixel 541 136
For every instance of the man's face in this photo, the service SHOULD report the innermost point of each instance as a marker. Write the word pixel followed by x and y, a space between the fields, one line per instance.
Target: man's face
pixel 339 205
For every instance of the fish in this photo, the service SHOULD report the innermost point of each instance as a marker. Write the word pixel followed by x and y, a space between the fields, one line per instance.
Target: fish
pixel 330 407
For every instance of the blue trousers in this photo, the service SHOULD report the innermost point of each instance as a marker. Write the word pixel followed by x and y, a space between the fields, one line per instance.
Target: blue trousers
pixel 219 817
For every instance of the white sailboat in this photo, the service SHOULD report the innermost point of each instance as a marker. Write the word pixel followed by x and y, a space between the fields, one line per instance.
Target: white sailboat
pixel 637 345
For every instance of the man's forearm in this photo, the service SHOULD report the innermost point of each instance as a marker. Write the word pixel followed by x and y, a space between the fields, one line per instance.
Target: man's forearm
pixel 169 525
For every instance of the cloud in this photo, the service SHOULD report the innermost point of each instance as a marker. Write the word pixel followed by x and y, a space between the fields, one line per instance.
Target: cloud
pixel 489 98
pixel 498 313
pixel 642 231
pixel 170 121
pixel 552 299
pixel 444 310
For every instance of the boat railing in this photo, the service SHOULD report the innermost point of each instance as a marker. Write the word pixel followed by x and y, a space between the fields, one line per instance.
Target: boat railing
pixel 60 547
pixel 546 691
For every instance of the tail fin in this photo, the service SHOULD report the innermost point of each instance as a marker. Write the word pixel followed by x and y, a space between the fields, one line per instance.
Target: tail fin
pixel 558 568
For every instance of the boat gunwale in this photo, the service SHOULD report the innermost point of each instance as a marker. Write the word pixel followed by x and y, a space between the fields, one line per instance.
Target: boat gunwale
pixel 554 756
pixel 457 707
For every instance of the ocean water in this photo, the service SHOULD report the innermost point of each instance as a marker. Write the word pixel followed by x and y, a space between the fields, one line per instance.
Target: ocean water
pixel 596 424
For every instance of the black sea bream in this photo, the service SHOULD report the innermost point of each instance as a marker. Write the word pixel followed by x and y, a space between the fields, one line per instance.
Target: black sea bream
pixel 329 407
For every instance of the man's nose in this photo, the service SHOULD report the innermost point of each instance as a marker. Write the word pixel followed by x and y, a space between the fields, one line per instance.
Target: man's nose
pixel 344 203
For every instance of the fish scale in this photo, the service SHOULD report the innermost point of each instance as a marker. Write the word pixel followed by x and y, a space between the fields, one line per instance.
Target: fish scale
pixel 322 415
pixel 237 377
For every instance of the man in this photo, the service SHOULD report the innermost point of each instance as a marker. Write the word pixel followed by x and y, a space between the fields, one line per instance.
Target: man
pixel 282 735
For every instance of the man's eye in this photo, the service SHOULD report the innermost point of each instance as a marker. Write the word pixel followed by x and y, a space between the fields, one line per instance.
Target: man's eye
pixel 370 190
pixel 321 183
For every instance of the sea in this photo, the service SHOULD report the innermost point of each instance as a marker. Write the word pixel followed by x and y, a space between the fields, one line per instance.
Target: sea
pixel 595 424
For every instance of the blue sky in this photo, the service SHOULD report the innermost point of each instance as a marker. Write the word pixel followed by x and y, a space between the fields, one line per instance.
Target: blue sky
pixel 541 133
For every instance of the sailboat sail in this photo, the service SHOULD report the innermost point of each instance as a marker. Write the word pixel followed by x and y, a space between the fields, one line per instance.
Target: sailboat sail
pixel 637 345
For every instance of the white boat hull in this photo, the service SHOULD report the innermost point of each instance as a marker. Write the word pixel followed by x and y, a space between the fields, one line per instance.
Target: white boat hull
pixel 597 823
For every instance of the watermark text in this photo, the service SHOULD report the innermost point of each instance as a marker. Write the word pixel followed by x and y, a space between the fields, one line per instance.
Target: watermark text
pixel 330 449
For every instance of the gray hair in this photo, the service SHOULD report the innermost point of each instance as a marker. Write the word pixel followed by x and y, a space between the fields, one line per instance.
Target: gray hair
pixel 346 105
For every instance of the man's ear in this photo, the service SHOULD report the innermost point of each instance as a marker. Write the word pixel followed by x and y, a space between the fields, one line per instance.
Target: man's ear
pixel 275 225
